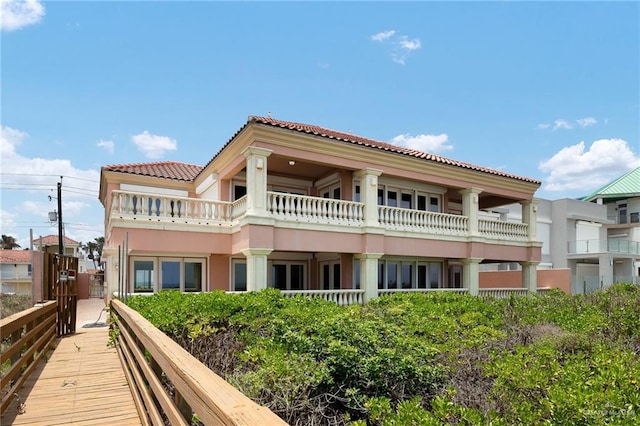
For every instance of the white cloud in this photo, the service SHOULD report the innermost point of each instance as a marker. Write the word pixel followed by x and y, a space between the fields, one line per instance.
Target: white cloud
pixel 407 44
pixel 106 145
pixel 7 219
pixel 544 125
pixel 586 122
pixel 9 139
pixel 383 35
pixel 574 168
pixel 20 13
pixel 400 46
pixel 425 143
pixel 561 124
pixel 154 146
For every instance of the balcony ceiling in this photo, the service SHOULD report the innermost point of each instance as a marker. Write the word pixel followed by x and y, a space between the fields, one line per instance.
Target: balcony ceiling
pixel 280 166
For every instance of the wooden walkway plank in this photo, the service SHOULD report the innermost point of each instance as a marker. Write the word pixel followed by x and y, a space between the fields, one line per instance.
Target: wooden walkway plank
pixel 81 383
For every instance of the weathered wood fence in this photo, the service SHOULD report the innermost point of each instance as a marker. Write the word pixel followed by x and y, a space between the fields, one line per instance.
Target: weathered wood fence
pixel 64 292
pixel 26 338
pixel 152 360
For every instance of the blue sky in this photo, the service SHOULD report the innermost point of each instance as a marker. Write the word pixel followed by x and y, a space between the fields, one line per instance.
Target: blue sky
pixel 549 90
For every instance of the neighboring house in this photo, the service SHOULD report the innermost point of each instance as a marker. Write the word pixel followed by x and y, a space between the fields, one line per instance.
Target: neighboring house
pixel 15 271
pixel 596 238
pixel 619 243
pixel 304 208
pixel 49 244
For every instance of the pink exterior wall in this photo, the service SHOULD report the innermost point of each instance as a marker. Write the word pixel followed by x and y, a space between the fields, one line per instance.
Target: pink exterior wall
pixel 219 270
pixel 554 278
pixel 82 281
pixel 172 241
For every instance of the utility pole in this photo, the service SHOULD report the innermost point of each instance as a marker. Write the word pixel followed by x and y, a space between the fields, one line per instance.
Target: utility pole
pixel 60 244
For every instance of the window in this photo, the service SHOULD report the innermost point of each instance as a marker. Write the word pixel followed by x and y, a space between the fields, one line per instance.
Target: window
pixel 182 274
pixel 287 276
pixel 408 274
pixel 332 192
pixel 143 276
pixel 622 213
pixel 406 198
pixel 193 275
pixel 356 194
pixel 170 275
pixel 239 278
pixel 330 275
pixel 239 191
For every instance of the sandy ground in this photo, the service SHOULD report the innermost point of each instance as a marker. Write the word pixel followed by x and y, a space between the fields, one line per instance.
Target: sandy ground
pixel 91 311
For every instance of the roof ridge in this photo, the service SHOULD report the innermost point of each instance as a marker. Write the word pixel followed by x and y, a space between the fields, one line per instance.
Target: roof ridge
pixel 613 183
pixel 353 138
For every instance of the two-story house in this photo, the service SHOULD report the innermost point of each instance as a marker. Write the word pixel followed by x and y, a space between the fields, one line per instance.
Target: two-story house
pixel 15 271
pixel 618 245
pixel 306 209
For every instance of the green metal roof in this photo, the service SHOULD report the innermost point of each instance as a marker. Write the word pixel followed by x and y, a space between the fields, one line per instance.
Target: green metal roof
pixel 627 185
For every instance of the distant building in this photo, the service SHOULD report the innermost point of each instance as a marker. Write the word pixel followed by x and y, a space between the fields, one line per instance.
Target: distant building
pixel 15 271
pixel 597 238
pixel 49 244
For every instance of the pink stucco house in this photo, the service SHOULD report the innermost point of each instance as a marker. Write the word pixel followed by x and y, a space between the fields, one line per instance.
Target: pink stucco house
pixel 306 209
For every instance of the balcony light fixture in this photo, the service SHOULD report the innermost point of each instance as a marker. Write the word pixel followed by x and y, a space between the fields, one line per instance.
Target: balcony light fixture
pixel 292 163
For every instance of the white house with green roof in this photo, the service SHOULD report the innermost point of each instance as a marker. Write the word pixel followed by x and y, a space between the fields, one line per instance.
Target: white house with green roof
pixel 621 243
pixel 597 238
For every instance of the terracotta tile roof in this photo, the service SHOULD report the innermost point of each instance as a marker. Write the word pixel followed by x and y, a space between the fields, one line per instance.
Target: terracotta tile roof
pixel 370 143
pixel 15 256
pixel 53 239
pixel 163 169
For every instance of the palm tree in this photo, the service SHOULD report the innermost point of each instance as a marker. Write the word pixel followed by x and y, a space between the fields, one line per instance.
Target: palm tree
pixel 94 250
pixel 9 242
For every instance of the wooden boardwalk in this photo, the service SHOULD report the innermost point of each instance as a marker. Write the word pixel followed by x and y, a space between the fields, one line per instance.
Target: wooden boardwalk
pixel 82 383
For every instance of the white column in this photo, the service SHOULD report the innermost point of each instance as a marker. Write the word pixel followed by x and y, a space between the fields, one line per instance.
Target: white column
pixel 369 194
pixel 256 180
pixel 605 269
pixel 470 207
pixel 530 276
pixel 369 274
pixel 471 275
pixel 256 268
pixel 530 217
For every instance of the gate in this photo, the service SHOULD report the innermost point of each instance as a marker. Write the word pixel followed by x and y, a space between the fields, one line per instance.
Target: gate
pixel 64 292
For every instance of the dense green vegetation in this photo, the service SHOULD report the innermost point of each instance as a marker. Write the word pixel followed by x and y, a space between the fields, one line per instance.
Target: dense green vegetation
pixel 13 303
pixel 419 359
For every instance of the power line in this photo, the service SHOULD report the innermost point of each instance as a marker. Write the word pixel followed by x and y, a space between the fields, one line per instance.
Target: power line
pixel 41 175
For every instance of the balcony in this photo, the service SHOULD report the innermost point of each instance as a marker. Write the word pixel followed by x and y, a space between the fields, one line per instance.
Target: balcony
pixel 286 208
pixel 613 245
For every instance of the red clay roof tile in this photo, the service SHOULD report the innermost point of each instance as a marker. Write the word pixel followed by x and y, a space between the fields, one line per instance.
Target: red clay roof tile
pixel 15 256
pixel 53 239
pixel 164 169
pixel 371 143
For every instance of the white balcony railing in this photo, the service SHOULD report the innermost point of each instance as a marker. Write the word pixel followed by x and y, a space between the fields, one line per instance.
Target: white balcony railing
pixel 340 297
pixel 501 230
pixel 387 291
pixel 502 293
pixel 135 205
pixel 418 220
pixel 314 209
pixel 306 209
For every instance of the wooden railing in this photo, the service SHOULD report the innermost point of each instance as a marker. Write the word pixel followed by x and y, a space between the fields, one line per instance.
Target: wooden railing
pixel 314 209
pixel 423 221
pixel 26 338
pixel 151 359
pixel 340 297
